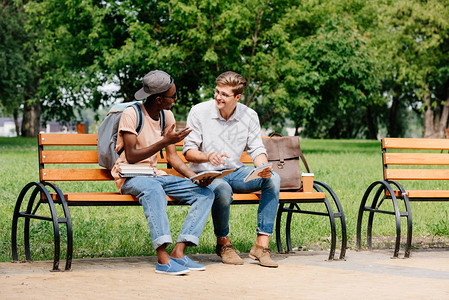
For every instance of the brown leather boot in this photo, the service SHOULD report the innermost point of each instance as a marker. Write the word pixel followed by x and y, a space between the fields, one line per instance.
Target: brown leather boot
pixel 228 255
pixel 263 256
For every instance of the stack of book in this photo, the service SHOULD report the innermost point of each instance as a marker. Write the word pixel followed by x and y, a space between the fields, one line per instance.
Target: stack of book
pixel 132 170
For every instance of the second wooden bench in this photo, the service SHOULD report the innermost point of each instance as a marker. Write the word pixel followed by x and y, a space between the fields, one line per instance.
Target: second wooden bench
pixel 406 160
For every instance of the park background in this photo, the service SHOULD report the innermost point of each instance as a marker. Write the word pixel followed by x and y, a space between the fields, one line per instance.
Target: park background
pixel 341 74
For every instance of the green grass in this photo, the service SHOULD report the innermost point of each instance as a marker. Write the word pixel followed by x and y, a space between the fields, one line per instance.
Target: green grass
pixel 348 166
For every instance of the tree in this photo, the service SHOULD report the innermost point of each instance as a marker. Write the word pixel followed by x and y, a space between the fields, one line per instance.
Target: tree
pixel 333 83
pixel 314 63
pixel 18 74
pixel 414 36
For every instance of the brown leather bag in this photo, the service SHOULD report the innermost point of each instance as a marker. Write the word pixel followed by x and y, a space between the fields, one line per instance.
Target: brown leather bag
pixel 284 153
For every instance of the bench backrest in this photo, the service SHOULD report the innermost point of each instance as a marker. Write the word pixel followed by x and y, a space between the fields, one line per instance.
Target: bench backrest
pixel 415 159
pixel 68 150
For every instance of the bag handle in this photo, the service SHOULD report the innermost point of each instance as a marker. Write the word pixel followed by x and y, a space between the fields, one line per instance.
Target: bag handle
pixel 275 134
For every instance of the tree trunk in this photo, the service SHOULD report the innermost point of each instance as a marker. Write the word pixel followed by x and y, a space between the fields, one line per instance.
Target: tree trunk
pixel 372 130
pixel 429 129
pixel 31 119
pixel 393 125
pixel 16 121
pixel 435 121
pixel 441 126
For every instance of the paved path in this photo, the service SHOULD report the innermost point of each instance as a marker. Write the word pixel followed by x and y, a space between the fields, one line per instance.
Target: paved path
pixel 301 275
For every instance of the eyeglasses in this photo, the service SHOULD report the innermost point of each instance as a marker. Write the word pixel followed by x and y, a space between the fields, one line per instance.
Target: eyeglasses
pixel 172 97
pixel 221 94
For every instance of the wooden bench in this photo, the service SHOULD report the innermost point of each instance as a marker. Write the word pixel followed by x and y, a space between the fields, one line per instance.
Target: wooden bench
pixel 405 160
pixel 59 165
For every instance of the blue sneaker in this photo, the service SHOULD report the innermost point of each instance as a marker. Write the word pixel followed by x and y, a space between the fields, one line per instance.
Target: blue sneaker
pixel 171 268
pixel 187 262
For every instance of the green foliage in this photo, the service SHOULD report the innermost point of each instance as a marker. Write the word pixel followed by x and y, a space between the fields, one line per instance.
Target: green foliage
pixel 413 37
pixel 337 69
pixel 16 73
pixel 440 228
pixel 332 82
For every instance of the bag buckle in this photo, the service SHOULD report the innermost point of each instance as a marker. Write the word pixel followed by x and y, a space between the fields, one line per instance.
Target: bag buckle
pixel 281 165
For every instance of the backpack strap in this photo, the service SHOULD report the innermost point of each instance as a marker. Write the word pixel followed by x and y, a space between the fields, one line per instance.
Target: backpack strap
pixel 139 113
pixel 139 121
pixel 162 119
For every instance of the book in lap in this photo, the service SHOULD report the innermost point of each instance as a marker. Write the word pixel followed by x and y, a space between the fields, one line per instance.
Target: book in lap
pixel 212 174
pixel 132 170
pixel 254 174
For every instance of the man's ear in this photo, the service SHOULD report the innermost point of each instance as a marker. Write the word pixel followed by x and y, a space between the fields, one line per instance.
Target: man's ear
pixel 238 97
pixel 158 99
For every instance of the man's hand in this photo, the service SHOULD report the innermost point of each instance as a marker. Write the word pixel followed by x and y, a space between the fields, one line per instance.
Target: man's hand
pixel 172 136
pixel 216 158
pixel 266 173
pixel 204 182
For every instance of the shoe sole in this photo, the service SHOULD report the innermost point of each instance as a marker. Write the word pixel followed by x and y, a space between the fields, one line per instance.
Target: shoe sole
pixel 255 258
pixel 197 269
pixel 234 264
pixel 173 273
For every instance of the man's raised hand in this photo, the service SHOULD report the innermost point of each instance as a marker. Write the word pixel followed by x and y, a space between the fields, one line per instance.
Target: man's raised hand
pixel 173 136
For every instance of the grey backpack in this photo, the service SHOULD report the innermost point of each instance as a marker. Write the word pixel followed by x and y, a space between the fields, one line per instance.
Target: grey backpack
pixel 108 130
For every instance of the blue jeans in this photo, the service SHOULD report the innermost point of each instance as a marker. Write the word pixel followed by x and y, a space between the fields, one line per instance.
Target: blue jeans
pixel 152 194
pixel 225 187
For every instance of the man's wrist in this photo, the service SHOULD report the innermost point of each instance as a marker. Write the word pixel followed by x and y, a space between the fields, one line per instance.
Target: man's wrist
pixel 208 155
pixel 194 181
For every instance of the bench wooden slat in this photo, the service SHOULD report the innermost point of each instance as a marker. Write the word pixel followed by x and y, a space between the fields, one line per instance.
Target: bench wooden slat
pixel 416 174
pixel 413 143
pixel 107 197
pixel 75 175
pixel 69 157
pixel 416 158
pixel 424 193
pixel 246 159
pixel 164 160
pixel 84 174
pixel 64 139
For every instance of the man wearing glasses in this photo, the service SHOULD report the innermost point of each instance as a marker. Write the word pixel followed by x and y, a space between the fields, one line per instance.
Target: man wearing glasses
pixel 222 129
pixel 159 91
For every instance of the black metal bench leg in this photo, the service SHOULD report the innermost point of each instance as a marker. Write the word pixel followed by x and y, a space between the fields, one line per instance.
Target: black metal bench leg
pixel 38 189
pixel 340 214
pixel 288 222
pixel 333 231
pixel 360 217
pixel 369 231
pixel 397 215
pixel 288 226
pixel 278 227
pixel 383 186
pixel 67 220
pixel 26 231
pixel 409 227
pixel 15 219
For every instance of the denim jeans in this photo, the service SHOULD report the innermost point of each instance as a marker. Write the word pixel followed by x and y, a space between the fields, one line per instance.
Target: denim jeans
pixel 226 186
pixel 152 194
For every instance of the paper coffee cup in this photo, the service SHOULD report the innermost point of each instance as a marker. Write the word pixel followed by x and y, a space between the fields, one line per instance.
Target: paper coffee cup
pixel 307 182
